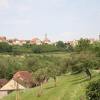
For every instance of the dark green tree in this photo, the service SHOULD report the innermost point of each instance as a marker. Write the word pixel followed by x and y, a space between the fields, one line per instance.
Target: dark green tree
pixel 61 44
pixel 5 47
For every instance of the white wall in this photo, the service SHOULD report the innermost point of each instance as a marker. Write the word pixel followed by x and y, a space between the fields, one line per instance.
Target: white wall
pixel 3 93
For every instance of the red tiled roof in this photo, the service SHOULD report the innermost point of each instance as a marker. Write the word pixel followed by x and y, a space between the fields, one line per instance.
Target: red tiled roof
pixel 3 82
pixel 2 38
pixel 23 77
pixel 34 40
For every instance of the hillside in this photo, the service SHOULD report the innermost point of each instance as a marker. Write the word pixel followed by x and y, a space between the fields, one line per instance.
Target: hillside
pixel 69 87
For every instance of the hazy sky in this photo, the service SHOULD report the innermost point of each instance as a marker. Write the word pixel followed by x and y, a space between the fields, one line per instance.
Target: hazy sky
pixel 60 19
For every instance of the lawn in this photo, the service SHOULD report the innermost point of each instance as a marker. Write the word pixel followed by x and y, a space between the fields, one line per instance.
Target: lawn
pixel 69 87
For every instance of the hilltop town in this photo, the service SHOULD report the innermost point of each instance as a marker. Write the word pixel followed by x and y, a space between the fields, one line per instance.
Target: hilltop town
pixel 37 41
pixel 34 40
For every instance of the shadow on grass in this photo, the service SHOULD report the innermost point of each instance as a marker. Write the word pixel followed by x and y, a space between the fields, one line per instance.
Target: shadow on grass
pixel 81 81
pixel 50 87
pixel 73 80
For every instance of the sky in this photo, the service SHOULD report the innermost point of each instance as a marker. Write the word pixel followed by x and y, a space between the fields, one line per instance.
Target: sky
pixel 60 19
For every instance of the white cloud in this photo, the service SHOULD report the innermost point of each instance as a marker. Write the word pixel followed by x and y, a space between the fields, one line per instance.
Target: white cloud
pixel 4 3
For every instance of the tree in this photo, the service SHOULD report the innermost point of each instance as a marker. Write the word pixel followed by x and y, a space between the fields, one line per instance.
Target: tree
pixel 69 47
pixel 82 62
pixel 96 48
pixel 31 63
pixel 83 45
pixel 5 47
pixel 53 74
pixel 39 77
pixel 60 44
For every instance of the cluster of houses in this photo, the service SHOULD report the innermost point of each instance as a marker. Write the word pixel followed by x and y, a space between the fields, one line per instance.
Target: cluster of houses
pixel 37 41
pixel 20 81
pixel 34 40
pixel 75 42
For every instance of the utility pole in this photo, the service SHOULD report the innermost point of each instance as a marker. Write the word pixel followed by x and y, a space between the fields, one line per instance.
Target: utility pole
pixel 45 36
pixel 99 36
pixel 17 88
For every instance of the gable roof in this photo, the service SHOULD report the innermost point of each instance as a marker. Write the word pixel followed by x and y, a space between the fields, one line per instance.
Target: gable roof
pixel 24 78
pixel 23 75
pixel 12 85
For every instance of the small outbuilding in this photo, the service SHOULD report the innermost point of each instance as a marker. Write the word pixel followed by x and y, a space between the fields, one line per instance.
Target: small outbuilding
pixel 20 81
pixel 11 86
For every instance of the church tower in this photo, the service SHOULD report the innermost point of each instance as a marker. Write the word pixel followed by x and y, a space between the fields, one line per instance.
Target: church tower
pixel 46 40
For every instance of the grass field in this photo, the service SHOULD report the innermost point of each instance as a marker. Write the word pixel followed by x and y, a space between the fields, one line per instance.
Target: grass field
pixel 69 87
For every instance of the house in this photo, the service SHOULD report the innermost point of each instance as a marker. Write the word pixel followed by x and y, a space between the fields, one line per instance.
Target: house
pixel 36 41
pixel 73 43
pixel 17 42
pixel 2 82
pixel 92 40
pixel 11 86
pixel 24 78
pixel 2 39
pixel 20 81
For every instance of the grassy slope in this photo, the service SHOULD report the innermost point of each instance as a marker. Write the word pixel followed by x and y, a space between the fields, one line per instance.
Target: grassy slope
pixel 69 87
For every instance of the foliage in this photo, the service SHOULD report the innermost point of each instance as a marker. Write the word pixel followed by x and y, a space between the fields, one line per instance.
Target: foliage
pixel 44 48
pixel 60 44
pixel 5 47
pixel 93 90
pixel 80 62
pixel 96 48
pixel 37 49
pixel 69 47
pixel 18 50
pixel 83 45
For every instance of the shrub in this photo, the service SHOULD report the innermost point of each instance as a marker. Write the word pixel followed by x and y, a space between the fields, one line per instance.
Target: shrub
pixel 5 47
pixel 93 91
pixel 37 49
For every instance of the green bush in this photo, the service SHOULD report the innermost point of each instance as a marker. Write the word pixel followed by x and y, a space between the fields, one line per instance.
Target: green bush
pixel 5 47
pixel 44 48
pixel 37 49
pixel 93 91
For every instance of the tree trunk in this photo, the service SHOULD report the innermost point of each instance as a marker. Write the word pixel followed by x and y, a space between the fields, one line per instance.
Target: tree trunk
pixel 40 90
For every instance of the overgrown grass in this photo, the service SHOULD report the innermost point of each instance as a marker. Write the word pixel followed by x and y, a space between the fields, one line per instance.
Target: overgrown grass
pixel 69 87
